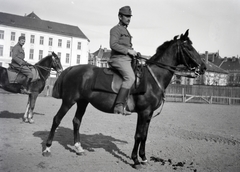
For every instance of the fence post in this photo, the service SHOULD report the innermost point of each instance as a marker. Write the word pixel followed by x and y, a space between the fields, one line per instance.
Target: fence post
pixel 183 95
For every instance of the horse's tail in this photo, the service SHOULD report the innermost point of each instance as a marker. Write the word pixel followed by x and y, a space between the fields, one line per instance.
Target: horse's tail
pixel 57 88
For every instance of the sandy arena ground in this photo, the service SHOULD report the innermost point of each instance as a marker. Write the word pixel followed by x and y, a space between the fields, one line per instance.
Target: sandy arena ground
pixel 184 137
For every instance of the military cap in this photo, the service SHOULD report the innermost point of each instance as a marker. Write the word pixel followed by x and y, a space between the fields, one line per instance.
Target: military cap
pixel 126 10
pixel 21 37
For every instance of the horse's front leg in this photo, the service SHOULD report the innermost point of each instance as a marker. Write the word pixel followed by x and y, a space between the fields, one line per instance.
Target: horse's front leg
pixel 144 119
pixel 142 153
pixel 32 102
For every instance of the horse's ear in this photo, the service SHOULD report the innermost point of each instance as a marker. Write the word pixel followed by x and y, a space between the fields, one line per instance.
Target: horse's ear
pixel 175 37
pixel 186 33
pixel 181 36
pixel 54 54
pixel 185 36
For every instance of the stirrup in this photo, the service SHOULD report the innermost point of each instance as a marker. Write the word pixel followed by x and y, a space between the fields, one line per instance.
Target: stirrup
pixel 120 109
pixel 24 91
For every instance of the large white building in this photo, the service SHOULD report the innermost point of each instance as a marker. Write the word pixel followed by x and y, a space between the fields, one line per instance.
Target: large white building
pixel 42 37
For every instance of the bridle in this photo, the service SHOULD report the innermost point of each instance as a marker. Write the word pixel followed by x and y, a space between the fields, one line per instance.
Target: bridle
pixel 48 69
pixel 181 50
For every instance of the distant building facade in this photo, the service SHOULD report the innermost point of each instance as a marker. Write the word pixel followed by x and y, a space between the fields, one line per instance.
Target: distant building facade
pixel 42 37
pixel 229 64
pixel 102 55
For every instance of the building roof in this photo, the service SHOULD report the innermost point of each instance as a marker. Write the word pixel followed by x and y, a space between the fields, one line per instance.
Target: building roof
pixel 231 64
pixel 213 57
pixel 104 53
pixel 33 22
pixel 211 67
pixel 33 16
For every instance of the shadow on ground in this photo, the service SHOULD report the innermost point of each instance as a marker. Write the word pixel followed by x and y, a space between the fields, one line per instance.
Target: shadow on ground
pixel 7 114
pixel 64 136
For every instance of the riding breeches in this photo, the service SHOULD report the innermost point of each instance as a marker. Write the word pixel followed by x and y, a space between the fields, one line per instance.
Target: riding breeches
pixel 123 65
pixel 26 71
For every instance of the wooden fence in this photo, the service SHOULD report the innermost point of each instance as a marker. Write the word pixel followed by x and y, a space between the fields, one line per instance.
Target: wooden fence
pixel 186 93
pixel 203 94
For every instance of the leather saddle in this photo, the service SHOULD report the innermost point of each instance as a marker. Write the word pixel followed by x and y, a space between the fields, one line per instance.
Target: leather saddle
pixel 109 80
pixel 15 76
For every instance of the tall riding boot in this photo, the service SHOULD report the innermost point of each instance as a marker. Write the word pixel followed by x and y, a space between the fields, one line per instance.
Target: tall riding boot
pixel 28 85
pixel 25 89
pixel 121 101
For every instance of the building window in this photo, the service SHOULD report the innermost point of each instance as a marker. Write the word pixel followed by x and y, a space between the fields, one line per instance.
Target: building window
pixel 50 42
pixel 41 40
pixel 13 36
pixel 11 47
pixel 59 43
pixel 31 54
pixel 67 58
pixel 32 39
pixel 1 34
pixel 59 55
pixel 1 50
pixel 68 44
pixel 40 54
pixel 79 46
pixel 78 59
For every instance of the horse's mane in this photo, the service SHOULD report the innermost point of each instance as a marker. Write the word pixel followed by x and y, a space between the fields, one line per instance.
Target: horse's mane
pixel 43 59
pixel 161 49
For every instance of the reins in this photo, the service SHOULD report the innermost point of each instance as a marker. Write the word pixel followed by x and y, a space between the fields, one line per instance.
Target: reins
pixel 48 69
pixel 174 69
pixel 44 68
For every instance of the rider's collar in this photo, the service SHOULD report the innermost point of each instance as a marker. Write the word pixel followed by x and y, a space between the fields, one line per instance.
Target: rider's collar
pixel 120 24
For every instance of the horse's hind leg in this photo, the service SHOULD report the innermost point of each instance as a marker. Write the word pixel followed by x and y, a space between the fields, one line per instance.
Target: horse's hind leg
pixel 81 108
pixel 56 121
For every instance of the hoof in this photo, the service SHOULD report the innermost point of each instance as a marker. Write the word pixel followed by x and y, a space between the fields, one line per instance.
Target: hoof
pixel 80 153
pixel 144 162
pixel 46 154
pixel 79 149
pixel 25 120
pixel 30 120
pixel 137 166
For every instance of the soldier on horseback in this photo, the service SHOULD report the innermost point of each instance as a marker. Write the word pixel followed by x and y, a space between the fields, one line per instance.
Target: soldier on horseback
pixel 19 64
pixel 121 57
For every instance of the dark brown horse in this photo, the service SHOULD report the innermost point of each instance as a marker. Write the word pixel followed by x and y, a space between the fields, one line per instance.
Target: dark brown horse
pixel 43 67
pixel 76 87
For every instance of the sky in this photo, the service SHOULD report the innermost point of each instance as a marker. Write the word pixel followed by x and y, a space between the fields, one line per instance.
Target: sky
pixel 214 25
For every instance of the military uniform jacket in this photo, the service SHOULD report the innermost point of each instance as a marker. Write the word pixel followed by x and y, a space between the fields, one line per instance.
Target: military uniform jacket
pixel 18 55
pixel 120 41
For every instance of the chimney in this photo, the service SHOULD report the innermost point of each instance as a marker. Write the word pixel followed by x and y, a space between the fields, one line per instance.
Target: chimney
pixel 206 57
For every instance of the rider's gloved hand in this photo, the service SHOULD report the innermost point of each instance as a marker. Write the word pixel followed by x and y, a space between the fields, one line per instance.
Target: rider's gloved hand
pixel 139 54
pixel 132 52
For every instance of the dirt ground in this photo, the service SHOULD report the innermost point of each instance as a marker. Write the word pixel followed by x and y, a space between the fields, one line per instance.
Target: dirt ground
pixel 184 137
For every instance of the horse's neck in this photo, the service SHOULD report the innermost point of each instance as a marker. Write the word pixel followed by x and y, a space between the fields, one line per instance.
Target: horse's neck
pixel 45 67
pixel 164 75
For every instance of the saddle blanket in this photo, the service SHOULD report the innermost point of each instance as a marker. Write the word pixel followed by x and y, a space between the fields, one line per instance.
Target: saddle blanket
pixel 109 81
pixel 17 77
